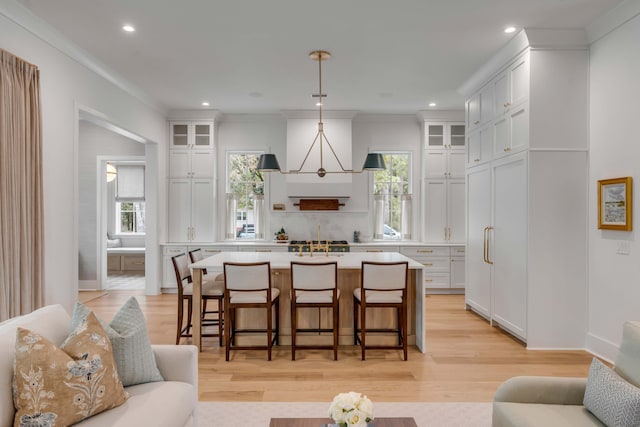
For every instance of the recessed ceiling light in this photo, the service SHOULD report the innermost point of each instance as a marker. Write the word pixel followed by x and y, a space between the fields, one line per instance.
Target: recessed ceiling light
pixel 509 30
pixel 205 104
pixel 432 104
pixel 128 28
pixel 318 104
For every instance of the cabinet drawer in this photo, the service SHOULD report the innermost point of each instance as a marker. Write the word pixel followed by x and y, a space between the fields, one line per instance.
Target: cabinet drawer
pixel 458 251
pixel 424 251
pixel 174 250
pixel 435 281
pixel 133 262
pixel 434 264
pixel 373 248
pixel 263 249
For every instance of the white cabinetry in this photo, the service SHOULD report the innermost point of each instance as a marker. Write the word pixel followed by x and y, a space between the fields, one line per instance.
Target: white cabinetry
pixel 527 200
pixel 479 108
pixel 444 150
pixel 444 210
pixel 191 210
pixel 191 188
pixel 443 186
pixel 257 248
pixel 480 145
pixel 440 272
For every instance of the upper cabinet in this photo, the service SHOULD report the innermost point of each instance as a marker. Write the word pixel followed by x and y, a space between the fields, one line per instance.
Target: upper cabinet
pixel 191 149
pixel 444 150
pixel 479 108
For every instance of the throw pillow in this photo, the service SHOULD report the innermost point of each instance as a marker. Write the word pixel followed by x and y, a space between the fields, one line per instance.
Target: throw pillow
pixel 610 398
pixel 61 386
pixel 131 347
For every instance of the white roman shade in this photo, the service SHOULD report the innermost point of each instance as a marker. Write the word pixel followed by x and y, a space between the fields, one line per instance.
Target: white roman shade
pixel 130 183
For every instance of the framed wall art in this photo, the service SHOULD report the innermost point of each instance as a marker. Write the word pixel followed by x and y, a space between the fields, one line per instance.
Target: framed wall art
pixel 615 204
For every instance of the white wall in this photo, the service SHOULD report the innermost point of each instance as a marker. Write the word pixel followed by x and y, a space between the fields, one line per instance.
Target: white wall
pixel 65 84
pixel 614 280
pixel 269 133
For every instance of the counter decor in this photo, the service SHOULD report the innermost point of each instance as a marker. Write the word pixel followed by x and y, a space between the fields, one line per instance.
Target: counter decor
pixel 351 410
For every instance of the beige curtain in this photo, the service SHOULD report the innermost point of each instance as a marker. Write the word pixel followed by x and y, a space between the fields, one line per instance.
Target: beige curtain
pixel 21 210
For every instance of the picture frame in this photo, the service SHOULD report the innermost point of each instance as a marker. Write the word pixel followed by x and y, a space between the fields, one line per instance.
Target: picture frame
pixel 615 201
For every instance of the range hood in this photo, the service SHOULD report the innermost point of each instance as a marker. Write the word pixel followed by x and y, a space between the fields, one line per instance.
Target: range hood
pixel 300 134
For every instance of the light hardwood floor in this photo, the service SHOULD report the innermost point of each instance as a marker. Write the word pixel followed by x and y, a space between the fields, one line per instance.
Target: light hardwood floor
pixel 466 360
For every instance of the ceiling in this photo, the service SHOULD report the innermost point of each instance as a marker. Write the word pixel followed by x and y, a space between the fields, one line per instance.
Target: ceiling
pixel 388 56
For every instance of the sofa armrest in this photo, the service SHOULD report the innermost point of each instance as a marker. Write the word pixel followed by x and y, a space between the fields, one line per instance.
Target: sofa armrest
pixel 177 362
pixel 546 390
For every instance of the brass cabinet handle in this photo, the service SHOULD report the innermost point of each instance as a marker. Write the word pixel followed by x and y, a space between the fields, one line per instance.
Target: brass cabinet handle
pixel 486 244
pixel 138 263
pixel 476 122
pixel 506 104
pixel 460 251
pixel 374 250
pixel 428 280
pixel 428 264
pixel 476 160
pixel 263 250
pixel 425 251
pixel 505 149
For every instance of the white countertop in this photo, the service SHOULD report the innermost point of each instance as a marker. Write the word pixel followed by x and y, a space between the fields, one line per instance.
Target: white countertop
pixel 282 260
pixel 404 243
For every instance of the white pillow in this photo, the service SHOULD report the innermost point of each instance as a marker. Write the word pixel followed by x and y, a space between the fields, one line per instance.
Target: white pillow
pixel 612 399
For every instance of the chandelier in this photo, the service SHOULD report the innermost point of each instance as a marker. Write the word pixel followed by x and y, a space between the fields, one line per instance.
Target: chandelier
pixel 269 162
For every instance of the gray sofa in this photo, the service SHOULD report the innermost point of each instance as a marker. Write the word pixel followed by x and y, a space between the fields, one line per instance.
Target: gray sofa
pixel 557 401
pixel 168 403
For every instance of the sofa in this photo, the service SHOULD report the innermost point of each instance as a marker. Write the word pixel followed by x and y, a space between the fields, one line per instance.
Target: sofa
pixel 170 403
pixel 558 401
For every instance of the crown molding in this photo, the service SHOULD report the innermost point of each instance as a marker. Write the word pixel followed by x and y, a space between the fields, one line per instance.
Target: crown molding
pixel 529 38
pixel 613 19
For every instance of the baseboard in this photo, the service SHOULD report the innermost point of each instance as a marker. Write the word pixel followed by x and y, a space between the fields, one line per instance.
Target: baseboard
pixel 602 348
pixel 88 285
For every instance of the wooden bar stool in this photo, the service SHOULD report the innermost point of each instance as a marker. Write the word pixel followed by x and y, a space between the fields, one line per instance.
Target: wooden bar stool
pixel 248 285
pixel 211 290
pixel 314 285
pixel 382 285
pixel 195 256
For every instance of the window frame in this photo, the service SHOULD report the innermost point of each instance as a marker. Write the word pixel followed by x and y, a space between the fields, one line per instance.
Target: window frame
pixel 245 222
pixel 409 179
pixel 118 218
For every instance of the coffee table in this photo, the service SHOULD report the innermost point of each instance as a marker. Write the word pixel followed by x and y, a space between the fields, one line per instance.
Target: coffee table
pixel 319 422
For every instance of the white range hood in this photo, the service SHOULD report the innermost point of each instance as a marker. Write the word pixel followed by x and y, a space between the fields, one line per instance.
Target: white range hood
pixel 300 135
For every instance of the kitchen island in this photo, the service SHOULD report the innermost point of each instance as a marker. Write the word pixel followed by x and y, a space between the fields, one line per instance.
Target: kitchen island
pixel 349 266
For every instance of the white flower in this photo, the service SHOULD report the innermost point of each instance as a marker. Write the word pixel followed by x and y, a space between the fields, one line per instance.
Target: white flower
pixel 351 408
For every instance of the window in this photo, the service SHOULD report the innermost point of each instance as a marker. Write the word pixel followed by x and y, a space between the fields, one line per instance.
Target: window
pixel 391 184
pixel 130 217
pixel 245 181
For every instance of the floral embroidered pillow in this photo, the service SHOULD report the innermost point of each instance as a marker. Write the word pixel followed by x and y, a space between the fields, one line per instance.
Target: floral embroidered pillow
pixel 61 386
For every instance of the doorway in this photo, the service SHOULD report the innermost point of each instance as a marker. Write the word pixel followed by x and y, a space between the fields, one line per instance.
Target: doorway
pixel 133 244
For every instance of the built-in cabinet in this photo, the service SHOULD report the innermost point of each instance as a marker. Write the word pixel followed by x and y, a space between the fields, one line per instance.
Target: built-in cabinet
pixel 443 182
pixel 191 182
pixel 523 173
pixel 443 267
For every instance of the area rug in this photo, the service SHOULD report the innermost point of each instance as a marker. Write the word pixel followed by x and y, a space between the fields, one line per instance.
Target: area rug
pixel 258 414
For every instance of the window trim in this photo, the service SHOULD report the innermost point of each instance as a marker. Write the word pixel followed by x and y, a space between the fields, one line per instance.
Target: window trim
pixel 228 155
pixel 409 154
pixel 118 213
